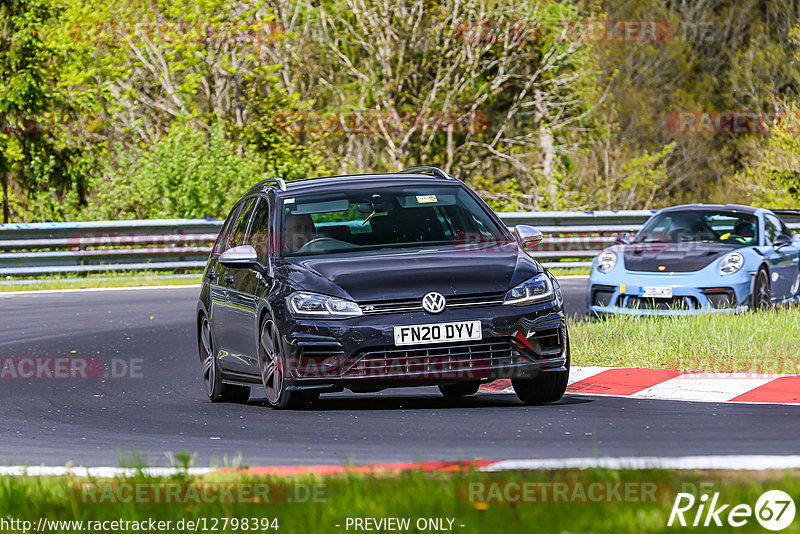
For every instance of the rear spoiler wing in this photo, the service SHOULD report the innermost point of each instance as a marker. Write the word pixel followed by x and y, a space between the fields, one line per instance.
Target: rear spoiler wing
pixel 788 216
pixel 790 213
pixel 791 218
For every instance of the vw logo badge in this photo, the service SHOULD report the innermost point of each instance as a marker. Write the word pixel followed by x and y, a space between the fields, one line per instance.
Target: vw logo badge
pixel 433 302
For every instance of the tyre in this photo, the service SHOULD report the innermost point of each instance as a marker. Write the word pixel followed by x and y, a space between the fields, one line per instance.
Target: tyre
pixel 212 375
pixel 545 388
pixel 272 363
pixel 761 297
pixel 459 389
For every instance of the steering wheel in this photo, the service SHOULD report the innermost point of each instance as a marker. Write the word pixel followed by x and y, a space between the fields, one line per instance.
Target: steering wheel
pixel 737 237
pixel 319 240
pixel 316 240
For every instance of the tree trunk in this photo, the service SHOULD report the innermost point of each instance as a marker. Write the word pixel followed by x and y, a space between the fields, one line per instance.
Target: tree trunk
pixel 6 214
pixel 548 146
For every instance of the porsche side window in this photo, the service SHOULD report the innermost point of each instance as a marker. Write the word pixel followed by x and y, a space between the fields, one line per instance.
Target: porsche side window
pixel 771 231
pixel 785 229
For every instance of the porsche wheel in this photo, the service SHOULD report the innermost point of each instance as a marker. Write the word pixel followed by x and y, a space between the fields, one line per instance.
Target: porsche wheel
pixel 761 297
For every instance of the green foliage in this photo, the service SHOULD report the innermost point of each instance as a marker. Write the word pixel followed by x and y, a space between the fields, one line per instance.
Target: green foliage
pixel 522 100
pixel 773 179
pixel 35 156
pixel 185 174
pixel 187 100
pixel 485 89
pixel 642 178
pixel 501 196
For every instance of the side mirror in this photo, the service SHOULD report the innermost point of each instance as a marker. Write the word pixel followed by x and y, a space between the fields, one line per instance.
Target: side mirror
pixel 527 236
pixel 782 240
pixel 623 239
pixel 241 257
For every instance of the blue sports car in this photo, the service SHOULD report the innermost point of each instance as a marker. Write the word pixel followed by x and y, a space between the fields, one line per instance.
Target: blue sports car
pixel 698 258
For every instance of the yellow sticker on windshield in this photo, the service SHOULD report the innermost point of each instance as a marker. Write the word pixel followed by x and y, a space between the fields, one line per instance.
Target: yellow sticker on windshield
pixel 426 199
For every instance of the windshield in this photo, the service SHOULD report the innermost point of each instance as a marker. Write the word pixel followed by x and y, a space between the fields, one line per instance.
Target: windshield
pixel 688 226
pixel 387 217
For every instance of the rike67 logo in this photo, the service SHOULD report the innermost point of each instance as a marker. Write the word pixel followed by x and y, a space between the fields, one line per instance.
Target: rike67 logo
pixel 774 510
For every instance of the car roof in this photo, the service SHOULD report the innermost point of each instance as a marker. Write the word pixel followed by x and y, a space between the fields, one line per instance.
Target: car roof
pixel 357 181
pixel 706 207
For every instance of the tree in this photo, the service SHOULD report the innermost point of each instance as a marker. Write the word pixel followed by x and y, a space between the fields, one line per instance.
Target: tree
pixel 34 153
pixel 488 89
pixel 718 56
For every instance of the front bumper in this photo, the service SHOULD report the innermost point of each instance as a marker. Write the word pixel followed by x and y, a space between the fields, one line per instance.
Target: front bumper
pixel 360 354
pixel 693 293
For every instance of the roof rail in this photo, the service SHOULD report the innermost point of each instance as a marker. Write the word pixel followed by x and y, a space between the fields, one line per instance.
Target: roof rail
pixel 436 171
pixel 279 181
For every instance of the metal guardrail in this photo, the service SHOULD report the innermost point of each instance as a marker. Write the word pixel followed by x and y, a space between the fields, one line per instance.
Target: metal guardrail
pixel 100 246
pixel 572 239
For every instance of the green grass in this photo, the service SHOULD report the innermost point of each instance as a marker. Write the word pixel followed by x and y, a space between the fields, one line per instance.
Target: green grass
pixel 764 342
pixel 102 279
pixel 563 271
pixel 415 495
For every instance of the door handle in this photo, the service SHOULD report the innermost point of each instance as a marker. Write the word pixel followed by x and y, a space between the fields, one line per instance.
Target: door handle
pixel 229 279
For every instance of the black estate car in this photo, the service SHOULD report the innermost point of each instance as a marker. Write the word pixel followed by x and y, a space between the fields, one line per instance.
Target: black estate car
pixel 375 281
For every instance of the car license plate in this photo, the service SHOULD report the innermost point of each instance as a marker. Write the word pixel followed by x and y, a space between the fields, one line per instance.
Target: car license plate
pixel 656 292
pixel 421 334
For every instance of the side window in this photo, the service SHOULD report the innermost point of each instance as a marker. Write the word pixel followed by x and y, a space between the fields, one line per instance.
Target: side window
pixel 221 244
pixel 785 229
pixel 771 228
pixel 259 234
pixel 242 223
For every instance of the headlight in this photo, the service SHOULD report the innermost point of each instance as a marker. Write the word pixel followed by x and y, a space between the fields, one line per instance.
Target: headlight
pixel 537 289
pixel 606 261
pixel 731 263
pixel 304 305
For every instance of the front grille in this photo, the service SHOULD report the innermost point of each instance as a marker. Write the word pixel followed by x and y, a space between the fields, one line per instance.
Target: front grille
pixel 320 349
pixel 649 303
pixel 415 304
pixel 436 361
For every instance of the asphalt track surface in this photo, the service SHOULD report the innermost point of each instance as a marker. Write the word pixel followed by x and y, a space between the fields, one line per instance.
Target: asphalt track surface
pixel 162 409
